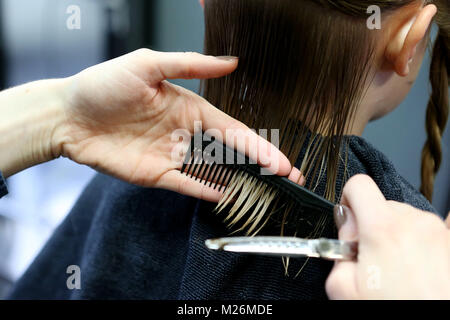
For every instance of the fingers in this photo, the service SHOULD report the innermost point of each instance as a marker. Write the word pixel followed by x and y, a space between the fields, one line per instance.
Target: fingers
pixel 366 201
pixel 188 65
pixel 362 203
pixel 297 177
pixel 235 134
pixel 238 136
pixel 175 181
pixel 341 284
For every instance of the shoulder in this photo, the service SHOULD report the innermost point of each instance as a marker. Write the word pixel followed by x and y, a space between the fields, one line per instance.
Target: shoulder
pixel 365 158
pixel 118 234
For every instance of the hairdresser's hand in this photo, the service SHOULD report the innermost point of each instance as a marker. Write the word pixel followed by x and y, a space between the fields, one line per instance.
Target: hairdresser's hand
pixel 120 116
pixel 404 253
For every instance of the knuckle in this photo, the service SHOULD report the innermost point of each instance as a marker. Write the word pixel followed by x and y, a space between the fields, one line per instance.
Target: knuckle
pixel 143 51
pixel 236 129
pixel 204 191
pixel 359 178
pixel 355 182
pixel 192 59
pixel 189 71
pixel 194 54
pixel 181 186
pixel 233 126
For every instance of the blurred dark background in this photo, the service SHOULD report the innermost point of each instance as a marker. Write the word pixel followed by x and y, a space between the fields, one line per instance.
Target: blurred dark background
pixel 35 43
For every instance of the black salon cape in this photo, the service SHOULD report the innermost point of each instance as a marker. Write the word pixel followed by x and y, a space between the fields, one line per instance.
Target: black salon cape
pixel 137 243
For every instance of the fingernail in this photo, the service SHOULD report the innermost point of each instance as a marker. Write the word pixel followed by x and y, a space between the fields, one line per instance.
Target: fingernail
pixel 340 215
pixel 227 58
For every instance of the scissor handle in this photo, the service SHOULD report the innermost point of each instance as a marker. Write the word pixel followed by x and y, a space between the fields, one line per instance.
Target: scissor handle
pixel 337 250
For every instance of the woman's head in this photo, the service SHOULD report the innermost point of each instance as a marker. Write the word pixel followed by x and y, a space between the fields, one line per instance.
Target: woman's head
pixel 316 67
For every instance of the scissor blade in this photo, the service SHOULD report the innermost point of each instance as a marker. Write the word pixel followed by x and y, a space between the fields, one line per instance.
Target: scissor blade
pixel 276 246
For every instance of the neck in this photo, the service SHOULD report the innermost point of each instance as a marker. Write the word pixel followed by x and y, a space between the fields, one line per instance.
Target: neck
pixel 359 124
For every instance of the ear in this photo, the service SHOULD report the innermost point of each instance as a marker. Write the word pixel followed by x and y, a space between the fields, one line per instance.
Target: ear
pixel 202 3
pixel 402 47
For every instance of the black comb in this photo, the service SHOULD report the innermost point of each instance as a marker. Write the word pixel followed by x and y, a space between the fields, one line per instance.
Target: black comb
pixel 210 161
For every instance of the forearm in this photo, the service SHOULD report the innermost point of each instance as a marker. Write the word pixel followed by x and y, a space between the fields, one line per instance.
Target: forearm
pixel 30 116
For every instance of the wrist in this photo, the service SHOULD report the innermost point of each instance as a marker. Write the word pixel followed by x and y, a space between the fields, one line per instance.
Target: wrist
pixel 31 118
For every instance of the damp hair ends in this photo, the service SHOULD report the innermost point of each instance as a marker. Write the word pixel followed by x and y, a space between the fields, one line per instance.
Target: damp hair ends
pixel 290 53
pixel 303 68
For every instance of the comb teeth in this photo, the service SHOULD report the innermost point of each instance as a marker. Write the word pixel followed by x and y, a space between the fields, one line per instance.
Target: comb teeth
pixel 252 195
pixel 200 166
pixel 216 175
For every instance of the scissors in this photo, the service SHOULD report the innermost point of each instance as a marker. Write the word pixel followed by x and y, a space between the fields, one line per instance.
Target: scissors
pixel 327 249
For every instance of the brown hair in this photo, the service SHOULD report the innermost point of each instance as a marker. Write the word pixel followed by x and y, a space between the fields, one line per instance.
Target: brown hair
pixel 437 110
pixel 303 68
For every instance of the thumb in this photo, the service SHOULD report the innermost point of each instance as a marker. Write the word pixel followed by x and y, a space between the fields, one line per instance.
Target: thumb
pixel 340 283
pixel 346 223
pixel 189 65
pixel 367 205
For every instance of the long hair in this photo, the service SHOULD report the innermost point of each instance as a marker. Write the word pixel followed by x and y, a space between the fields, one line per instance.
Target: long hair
pixel 303 68
pixel 438 106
